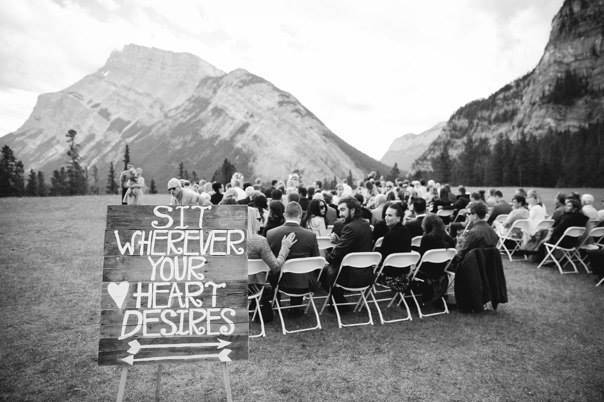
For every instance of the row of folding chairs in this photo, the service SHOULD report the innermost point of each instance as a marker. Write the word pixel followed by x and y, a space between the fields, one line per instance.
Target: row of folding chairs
pixel 567 259
pixel 358 278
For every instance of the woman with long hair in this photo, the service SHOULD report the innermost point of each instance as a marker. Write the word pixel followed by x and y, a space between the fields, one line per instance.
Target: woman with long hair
pixel 315 217
pixel 435 235
pixel 259 203
pixel 275 216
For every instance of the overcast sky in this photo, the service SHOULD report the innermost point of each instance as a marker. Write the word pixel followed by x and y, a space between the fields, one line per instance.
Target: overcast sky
pixel 370 70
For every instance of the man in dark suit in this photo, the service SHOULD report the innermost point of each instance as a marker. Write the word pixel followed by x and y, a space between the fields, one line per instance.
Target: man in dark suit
pixel 306 241
pixel 356 237
pixel 415 225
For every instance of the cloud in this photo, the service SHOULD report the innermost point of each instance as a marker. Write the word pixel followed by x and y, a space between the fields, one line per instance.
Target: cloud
pixel 400 67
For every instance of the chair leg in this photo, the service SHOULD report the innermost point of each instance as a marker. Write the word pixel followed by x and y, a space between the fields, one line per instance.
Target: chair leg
pixel 601 281
pixel 548 255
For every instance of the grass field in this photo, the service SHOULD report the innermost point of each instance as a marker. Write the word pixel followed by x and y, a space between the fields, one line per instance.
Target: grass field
pixel 547 343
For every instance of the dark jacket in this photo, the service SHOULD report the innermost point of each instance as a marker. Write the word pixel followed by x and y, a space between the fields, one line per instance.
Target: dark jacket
pixel 481 235
pixel 356 237
pixel 480 279
pixel 306 241
pixel 415 226
pixel 397 240
pixel 567 220
pixel 503 208
pixel 430 242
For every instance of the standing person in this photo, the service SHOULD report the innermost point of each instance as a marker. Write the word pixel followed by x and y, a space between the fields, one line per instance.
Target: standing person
pixel 180 195
pixel 124 177
pixel 136 187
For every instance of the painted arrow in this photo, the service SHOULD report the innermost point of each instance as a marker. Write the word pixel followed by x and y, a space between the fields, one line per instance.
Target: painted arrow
pixel 135 346
pixel 223 356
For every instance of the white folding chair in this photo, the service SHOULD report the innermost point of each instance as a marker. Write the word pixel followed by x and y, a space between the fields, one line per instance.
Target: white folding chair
pixel 294 282
pixel 256 268
pixel 415 242
pixel 325 244
pixel 357 279
pixel 378 243
pixel 545 224
pixel 434 256
pixel 513 238
pixel 567 255
pixel 592 242
pixel 445 215
pixel 403 262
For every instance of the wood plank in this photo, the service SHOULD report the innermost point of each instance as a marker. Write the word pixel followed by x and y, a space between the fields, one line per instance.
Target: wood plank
pixel 141 217
pixel 233 295
pixel 207 241
pixel 141 268
pixel 114 330
pixel 112 351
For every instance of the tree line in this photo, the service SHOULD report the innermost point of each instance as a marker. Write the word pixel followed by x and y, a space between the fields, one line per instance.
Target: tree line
pixel 556 159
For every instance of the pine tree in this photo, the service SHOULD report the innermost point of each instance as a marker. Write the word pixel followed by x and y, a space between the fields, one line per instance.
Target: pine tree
pixel 224 173
pixel 152 187
pixel 126 157
pixel 42 189
pixel 194 177
pixel 112 187
pixel 94 187
pixel 181 170
pixel 442 165
pixel 58 182
pixel 394 172
pixel 31 189
pixel 11 174
pixel 349 178
pixel 76 175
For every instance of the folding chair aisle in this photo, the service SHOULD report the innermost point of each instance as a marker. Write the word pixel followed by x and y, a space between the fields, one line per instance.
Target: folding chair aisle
pixel 257 272
pixel 403 262
pixel 355 277
pixel 295 281
pixel 436 256
pixel 565 255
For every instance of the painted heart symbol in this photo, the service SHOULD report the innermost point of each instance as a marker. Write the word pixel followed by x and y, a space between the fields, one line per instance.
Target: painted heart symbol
pixel 118 292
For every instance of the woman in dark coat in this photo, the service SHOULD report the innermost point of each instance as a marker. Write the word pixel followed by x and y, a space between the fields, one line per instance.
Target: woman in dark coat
pixel 435 235
pixel 275 216
pixel 572 216
pixel 396 240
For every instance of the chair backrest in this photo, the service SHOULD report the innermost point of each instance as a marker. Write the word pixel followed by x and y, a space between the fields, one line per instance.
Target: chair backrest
pixel 444 212
pixel 435 256
pixel 416 241
pixel 501 218
pixel 545 224
pixel 303 265
pixel 364 263
pixel 378 243
pixel 329 229
pixel 324 242
pixel 521 224
pixel 573 231
pixel 256 266
pixel 597 234
pixel 361 260
pixel 401 260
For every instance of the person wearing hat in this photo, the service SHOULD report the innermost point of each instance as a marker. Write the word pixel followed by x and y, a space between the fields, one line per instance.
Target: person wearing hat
pixel 182 196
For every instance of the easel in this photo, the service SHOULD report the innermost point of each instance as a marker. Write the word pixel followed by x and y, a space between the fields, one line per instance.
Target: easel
pixel 120 392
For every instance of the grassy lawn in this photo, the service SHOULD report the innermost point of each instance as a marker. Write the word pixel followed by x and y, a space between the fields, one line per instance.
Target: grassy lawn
pixel 547 343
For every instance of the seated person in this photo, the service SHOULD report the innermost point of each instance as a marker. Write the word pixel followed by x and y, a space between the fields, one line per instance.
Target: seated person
pixel 519 211
pixel 481 235
pixel 501 207
pixel 435 235
pixel 415 225
pixel 571 217
pixel 396 240
pixel 381 228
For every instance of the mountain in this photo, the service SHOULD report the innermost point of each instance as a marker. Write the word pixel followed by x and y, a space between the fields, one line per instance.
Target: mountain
pixel 405 149
pixel 564 93
pixel 172 107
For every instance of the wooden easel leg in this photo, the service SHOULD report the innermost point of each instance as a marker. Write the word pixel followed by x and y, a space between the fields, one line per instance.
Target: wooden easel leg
pixel 158 383
pixel 120 391
pixel 227 381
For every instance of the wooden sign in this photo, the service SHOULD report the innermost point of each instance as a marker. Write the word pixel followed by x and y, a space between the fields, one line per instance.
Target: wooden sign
pixel 174 285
